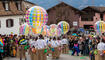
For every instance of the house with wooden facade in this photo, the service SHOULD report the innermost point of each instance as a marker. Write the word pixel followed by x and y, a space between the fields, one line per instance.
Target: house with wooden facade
pixel 63 12
pixel 90 15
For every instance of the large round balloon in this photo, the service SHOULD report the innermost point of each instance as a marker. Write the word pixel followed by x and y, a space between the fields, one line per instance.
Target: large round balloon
pixel 64 26
pixel 100 26
pixel 53 29
pixel 36 16
pixel 24 29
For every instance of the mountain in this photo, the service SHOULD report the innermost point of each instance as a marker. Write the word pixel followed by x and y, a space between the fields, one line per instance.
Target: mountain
pixel 80 4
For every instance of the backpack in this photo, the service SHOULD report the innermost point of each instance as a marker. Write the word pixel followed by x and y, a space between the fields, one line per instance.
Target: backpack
pixel 76 46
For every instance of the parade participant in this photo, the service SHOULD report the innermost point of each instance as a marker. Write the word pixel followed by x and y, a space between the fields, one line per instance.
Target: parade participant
pixel 86 43
pixel 80 42
pixel 71 43
pixel 59 47
pixel 31 43
pixel 41 44
pixel 91 54
pixel 49 45
pixel 22 44
pixel 11 46
pixel 1 48
pixel 76 48
pixel 54 48
pixel 65 42
pixel 7 40
pixel 101 48
pixel 33 48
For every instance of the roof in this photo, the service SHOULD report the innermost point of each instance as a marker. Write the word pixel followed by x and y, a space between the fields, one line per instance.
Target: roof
pixel 30 2
pixel 99 9
pixel 80 4
pixel 12 9
pixel 46 3
pixel 64 3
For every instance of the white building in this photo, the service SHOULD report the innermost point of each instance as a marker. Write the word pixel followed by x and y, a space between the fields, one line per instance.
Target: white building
pixel 12 15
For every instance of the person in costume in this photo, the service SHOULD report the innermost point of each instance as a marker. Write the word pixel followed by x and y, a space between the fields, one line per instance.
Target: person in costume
pixel 65 43
pixel 22 43
pixel 59 48
pixel 1 48
pixel 41 43
pixel 7 41
pixel 54 48
pixel 101 48
pixel 33 48
pixel 76 48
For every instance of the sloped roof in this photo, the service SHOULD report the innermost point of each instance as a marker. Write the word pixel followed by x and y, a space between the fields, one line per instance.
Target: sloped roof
pixel 99 9
pixel 46 3
pixel 12 9
pixel 64 3
pixel 30 2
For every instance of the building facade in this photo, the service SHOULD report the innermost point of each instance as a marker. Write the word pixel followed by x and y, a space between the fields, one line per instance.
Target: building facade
pixel 90 15
pixel 63 12
pixel 12 14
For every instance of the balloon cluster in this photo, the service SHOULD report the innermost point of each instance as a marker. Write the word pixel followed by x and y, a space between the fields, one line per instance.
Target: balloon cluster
pixel 36 19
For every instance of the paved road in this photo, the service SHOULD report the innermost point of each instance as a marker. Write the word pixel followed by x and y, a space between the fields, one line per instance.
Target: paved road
pixel 62 57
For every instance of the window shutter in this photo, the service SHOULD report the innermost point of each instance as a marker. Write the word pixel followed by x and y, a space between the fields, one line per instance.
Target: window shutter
pixel 11 23
pixel 0 24
pixel 6 23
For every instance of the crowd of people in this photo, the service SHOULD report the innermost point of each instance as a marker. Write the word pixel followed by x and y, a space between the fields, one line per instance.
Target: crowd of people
pixel 40 47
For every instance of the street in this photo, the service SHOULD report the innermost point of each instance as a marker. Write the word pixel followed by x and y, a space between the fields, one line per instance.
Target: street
pixel 62 57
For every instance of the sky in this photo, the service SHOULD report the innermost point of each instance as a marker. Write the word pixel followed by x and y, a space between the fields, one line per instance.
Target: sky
pixel 79 4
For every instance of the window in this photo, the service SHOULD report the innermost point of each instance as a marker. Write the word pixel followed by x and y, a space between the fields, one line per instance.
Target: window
pixel 87 18
pixel 0 24
pixel 101 15
pixel 9 23
pixel 18 5
pixel 6 5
